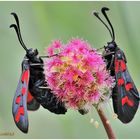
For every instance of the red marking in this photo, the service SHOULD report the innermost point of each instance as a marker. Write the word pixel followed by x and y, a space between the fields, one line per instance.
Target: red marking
pixel 122 65
pixel 19 113
pixel 18 100
pixel 25 76
pixel 23 90
pixel 125 100
pixel 120 81
pixel 128 86
pixel 29 97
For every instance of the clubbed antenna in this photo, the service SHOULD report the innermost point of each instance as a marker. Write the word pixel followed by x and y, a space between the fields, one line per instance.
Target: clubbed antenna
pixel 104 9
pixel 17 29
pixel 111 31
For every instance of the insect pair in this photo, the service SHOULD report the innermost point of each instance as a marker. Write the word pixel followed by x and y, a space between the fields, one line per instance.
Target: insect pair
pixel 32 90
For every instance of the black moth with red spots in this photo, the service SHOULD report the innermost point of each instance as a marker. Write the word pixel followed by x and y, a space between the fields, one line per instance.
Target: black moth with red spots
pixel 29 94
pixel 125 94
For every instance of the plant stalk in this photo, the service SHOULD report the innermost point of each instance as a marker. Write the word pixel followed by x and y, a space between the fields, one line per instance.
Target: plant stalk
pixel 106 124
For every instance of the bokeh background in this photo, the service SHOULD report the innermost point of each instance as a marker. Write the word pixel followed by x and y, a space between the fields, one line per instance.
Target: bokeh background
pixel 41 22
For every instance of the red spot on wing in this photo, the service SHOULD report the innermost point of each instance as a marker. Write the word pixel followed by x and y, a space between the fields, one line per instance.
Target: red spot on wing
pixel 120 81
pixel 23 90
pixel 25 76
pixel 126 100
pixel 29 97
pixel 128 86
pixel 19 113
pixel 18 98
pixel 122 65
pixel 116 66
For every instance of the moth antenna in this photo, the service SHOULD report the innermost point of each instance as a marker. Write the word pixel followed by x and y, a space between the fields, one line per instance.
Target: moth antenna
pixel 103 10
pixel 96 14
pixel 17 29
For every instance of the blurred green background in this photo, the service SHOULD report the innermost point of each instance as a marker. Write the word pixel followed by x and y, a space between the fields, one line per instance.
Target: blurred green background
pixel 41 22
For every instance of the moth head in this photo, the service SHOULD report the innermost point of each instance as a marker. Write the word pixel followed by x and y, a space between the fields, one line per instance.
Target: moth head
pixel 111 46
pixel 32 53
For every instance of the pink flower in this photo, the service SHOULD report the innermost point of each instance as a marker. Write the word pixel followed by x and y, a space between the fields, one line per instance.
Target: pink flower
pixel 96 97
pixel 100 77
pixel 52 80
pixel 75 59
pixel 78 75
pixel 56 44
pixel 50 50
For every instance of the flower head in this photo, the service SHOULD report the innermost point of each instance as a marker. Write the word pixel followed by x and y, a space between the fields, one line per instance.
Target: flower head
pixel 78 75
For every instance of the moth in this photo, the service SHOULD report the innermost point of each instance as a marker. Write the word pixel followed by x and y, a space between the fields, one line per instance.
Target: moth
pixel 125 95
pixel 32 90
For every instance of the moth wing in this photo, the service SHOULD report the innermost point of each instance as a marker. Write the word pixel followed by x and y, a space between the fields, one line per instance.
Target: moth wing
pixel 19 107
pixel 125 94
pixel 32 104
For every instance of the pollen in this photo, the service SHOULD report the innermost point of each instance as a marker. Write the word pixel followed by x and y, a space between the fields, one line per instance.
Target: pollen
pixel 115 116
pixel 75 77
pixel 96 124
pixel 91 120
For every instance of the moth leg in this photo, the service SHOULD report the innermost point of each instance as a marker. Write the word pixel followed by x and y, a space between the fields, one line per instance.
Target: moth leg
pixel 108 54
pixel 109 57
pixel 111 63
pixel 36 64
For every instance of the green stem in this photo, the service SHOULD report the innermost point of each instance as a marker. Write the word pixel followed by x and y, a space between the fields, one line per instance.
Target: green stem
pixel 106 124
